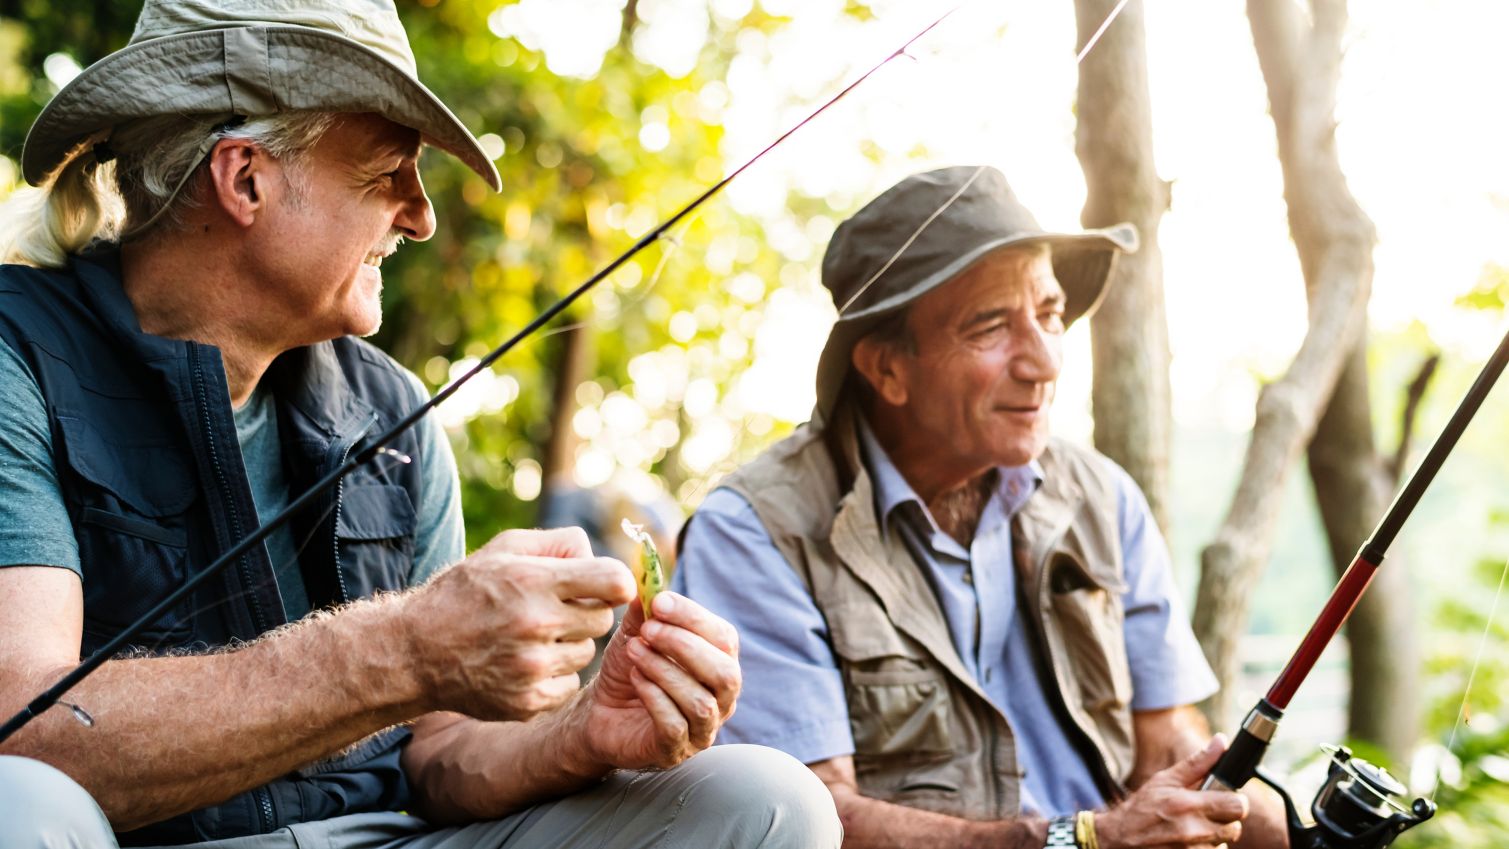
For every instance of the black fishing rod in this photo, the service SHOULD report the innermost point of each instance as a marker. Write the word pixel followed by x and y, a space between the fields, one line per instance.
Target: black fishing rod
pixel 1360 806
pixel 52 695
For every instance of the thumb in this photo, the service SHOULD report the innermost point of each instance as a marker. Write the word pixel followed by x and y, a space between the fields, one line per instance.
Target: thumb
pixel 633 618
pixel 1191 771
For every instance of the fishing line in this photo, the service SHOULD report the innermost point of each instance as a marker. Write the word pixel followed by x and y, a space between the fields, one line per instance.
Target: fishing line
pixel 1472 674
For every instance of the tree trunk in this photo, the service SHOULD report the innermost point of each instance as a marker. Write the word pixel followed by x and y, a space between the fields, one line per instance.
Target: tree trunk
pixel 1301 62
pixel 1129 333
pixel 571 367
pixel 1352 487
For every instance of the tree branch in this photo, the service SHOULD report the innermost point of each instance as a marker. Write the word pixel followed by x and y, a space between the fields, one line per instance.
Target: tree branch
pixel 1413 395
pixel 1334 239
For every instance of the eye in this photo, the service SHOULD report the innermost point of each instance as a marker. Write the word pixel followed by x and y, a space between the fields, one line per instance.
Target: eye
pixel 388 178
pixel 1052 321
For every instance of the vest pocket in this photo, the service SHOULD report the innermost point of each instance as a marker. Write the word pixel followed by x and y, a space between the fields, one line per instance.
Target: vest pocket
pixel 1090 618
pixel 376 530
pixel 128 505
pixel 898 701
pixel 899 713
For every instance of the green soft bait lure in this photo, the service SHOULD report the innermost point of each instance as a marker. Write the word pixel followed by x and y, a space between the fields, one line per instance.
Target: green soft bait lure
pixel 648 572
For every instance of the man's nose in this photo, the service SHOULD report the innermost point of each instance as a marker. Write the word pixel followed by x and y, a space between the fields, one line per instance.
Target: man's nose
pixel 416 218
pixel 1039 358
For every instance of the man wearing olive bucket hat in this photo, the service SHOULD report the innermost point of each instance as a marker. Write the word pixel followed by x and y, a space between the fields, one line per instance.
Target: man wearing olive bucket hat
pixel 178 313
pixel 967 628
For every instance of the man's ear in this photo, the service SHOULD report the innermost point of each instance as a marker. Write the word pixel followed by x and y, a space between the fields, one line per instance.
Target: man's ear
pixel 238 179
pixel 883 367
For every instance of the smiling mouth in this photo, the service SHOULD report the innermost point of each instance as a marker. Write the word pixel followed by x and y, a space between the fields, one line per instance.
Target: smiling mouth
pixel 383 250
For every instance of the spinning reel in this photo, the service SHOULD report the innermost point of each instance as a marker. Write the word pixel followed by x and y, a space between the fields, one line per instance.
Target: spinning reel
pixel 1360 806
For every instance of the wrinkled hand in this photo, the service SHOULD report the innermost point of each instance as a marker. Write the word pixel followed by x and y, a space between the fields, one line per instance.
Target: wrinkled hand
pixel 665 687
pixel 502 634
pixel 1168 812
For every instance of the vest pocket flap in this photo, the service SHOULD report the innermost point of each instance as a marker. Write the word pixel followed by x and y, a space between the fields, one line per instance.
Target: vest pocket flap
pixel 135 527
pixel 861 631
pixel 896 718
pixel 1069 572
pixel 374 512
pixel 151 479
pixel 1091 630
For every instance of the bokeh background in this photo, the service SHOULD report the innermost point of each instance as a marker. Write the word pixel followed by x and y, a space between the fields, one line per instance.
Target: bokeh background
pixel 605 116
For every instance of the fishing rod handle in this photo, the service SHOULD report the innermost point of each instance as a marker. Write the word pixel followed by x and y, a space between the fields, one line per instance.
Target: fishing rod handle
pixel 1240 761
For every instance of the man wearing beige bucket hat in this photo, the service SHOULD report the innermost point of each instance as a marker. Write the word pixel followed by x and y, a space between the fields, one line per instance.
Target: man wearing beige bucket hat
pixel 178 313
pixel 967 628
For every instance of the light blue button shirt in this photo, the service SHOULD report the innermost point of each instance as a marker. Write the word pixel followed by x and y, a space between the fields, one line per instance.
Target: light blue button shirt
pixel 793 695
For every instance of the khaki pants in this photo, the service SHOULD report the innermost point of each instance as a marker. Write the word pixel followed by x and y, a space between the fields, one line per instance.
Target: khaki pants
pixel 729 797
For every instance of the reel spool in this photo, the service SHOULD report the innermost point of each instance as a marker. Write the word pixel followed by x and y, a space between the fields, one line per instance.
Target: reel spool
pixel 1360 806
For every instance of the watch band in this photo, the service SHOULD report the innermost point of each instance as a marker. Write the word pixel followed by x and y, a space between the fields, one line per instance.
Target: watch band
pixel 1061 832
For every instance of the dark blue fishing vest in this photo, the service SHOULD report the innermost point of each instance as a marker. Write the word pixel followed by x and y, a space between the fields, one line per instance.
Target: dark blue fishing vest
pixel 145 447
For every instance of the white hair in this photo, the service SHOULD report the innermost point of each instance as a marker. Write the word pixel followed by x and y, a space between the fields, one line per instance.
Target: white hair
pixel 86 199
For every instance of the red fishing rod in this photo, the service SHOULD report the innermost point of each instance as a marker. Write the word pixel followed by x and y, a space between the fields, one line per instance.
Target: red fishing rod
pixel 1360 806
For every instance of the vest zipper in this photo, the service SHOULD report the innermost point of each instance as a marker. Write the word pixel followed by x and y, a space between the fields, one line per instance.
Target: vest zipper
pixel 335 515
pixel 265 815
pixel 264 809
pixel 259 617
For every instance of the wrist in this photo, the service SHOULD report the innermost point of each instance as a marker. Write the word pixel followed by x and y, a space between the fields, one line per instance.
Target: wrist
pixel 419 676
pixel 1105 829
pixel 396 673
pixel 571 726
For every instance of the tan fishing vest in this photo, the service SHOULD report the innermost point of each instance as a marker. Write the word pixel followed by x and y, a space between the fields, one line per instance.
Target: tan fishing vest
pixel 925 735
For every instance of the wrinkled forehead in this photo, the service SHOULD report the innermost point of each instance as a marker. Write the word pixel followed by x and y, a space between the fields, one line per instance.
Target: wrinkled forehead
pixel 1011 278
pixel 366 137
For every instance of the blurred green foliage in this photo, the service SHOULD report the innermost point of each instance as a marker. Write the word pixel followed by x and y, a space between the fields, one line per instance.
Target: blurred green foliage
pixel 589 164
pixel 1474 774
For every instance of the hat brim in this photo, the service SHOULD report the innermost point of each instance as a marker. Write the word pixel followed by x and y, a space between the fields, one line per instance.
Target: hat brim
pixel 184 74
pixel 1082 262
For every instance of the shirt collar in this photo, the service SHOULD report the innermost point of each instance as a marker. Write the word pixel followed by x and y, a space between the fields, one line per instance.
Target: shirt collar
pixel 1014 484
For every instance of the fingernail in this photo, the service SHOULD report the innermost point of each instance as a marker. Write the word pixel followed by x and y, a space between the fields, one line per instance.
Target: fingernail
pixel 651 629
pixel 664 604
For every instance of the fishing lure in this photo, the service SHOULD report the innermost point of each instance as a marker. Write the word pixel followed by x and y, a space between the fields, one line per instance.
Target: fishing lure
pixel 648 572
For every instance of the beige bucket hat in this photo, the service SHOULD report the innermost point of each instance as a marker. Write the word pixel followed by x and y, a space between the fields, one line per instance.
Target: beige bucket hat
pixel 251 58
pixel 927 230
